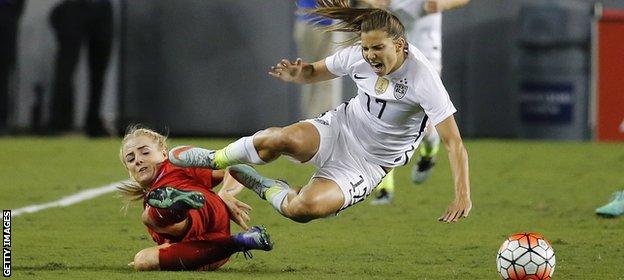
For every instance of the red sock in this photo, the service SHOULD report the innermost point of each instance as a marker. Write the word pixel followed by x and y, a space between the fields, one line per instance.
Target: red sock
pixel 197 255
pixel 164 217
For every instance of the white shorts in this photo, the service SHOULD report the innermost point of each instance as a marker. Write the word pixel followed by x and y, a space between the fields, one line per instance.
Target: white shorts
pixel 339 158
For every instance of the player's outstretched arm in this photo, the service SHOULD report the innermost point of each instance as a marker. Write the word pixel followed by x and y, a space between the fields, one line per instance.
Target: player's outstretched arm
pixel 239 211
pixel 458 158
pixel 300 72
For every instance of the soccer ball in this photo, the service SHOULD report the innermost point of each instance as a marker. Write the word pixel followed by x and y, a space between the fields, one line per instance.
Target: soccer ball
pixel 525 256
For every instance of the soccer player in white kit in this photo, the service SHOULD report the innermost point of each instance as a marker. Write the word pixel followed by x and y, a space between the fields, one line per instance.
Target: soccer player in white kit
pixel 355 145
pixel 423 27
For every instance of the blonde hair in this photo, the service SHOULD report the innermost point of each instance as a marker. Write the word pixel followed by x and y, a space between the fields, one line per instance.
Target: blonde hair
pixel 357 20
pixel 132 190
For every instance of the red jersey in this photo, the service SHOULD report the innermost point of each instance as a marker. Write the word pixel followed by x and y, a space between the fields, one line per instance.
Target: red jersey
pixel 210 221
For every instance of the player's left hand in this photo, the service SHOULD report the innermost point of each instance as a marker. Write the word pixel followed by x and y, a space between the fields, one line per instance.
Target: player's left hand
pixel 286 70
pixel 459 208
pixel 239 211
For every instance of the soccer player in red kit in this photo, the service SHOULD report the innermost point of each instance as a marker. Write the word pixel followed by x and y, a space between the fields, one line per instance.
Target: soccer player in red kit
pixel 188 221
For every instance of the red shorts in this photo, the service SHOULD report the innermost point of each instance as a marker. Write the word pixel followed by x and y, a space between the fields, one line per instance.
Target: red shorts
pixel 202 255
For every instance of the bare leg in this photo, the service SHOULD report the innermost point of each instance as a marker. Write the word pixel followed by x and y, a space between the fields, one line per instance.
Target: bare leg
pixel 300 140
pixel 318 199
pixel 147 259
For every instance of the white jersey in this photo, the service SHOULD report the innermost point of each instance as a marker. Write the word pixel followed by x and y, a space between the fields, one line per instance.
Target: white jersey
pixel 389 114
pixel 423 30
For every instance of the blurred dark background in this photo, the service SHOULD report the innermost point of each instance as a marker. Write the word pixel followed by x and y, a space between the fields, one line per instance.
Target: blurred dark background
pixel 199 68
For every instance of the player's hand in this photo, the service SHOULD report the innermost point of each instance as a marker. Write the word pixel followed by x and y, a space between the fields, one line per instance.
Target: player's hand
pixel 239 211
pixel 286 70
pixel 432 6
pixel 459 208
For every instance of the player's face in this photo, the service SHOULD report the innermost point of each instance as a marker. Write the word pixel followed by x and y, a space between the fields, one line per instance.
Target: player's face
pixel 382 53
pixel 142 157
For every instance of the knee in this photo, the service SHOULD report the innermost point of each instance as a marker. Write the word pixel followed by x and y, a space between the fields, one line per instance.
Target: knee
pixel 146 259
pixel 307 209
pixel 278 139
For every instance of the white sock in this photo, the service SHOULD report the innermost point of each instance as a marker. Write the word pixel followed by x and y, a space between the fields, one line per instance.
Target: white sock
pixel 276 195
pixel 242 151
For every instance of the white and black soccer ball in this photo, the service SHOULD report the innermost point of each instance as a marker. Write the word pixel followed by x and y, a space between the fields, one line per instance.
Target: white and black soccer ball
pixel 526 256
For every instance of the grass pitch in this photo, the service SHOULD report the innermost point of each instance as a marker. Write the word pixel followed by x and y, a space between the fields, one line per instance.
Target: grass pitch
pixel 548 187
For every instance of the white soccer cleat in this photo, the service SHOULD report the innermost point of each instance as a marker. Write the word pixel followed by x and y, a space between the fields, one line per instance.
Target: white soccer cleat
pixel 188 156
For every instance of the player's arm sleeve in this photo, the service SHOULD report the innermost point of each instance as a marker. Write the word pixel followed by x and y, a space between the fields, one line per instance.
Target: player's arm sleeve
pixel 434 98
pixel 340 63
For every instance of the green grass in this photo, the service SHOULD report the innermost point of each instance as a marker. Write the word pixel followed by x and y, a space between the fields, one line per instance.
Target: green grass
pixel 548 187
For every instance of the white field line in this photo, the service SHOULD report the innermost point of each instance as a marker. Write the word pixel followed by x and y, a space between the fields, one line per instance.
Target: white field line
pixel 68 200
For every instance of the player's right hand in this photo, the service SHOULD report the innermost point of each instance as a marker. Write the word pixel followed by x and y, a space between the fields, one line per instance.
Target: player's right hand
pixel 239 211
pixel 286 70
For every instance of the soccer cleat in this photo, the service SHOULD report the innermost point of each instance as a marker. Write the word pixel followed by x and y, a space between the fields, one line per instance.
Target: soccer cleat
pixel 256 238
pixel 168 197
pixel 614 208
pixel 188 156
pixel 383 197
pixel 250 178
pixel 423 169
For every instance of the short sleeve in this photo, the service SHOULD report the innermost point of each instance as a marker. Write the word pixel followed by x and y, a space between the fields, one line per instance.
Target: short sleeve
pixel 434 98
pixel 340 62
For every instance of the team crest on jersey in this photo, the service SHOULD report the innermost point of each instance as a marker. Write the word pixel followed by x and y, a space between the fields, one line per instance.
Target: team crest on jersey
pixel 381 85
pixel 400 90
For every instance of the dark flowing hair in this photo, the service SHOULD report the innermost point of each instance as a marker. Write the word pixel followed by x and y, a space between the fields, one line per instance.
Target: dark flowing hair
pixel 357 20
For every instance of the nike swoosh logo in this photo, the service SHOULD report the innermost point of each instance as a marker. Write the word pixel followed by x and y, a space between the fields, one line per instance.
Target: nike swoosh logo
pixel 359 77
pixel 176 153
